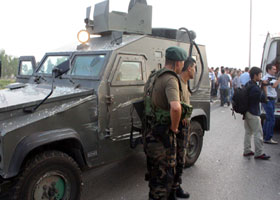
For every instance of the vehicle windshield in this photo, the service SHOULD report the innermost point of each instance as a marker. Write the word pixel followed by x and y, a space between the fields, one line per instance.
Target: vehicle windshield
pixel 50 62
pixel 87 65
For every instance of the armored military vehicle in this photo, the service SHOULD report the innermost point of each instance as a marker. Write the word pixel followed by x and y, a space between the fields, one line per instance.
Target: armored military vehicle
pixel 73 110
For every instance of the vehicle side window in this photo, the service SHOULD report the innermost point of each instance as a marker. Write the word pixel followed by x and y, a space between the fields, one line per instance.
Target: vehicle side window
pixel 50 62
pixel 130 71
pixel 26 68
pixel 87 65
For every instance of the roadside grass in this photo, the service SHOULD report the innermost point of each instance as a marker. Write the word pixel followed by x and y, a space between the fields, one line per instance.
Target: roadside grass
pixel 4 82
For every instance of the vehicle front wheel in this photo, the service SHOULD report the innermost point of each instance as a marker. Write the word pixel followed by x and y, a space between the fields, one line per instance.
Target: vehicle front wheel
pixel 194 144
pixel 49 175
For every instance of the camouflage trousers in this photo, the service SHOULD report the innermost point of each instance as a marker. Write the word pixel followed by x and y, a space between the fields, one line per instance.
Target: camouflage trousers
pixel 181 150
pixel 160 149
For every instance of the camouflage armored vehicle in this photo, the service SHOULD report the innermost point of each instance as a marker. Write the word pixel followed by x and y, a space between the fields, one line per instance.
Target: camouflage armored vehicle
pixel 73 110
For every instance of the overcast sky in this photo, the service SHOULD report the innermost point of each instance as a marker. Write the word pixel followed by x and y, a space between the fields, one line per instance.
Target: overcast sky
pixel 33 27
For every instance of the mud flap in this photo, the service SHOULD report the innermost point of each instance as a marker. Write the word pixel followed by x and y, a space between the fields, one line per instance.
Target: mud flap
pixel 139 107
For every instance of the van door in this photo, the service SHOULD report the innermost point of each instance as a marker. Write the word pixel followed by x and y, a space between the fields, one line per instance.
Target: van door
pixel 127 84
pixel 266 49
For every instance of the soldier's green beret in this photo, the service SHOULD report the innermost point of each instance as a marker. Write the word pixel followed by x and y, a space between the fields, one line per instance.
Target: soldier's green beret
pixel 175 54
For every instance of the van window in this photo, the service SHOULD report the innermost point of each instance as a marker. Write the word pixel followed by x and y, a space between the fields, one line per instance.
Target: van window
pixel 272 52
pixel 87 65
pixel 130 71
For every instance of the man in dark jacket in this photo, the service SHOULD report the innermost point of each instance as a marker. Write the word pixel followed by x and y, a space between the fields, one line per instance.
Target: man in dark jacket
pixel 252 122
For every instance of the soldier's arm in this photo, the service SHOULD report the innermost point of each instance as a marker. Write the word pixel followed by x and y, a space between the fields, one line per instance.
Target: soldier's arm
pixel 175 113
pixel 172 94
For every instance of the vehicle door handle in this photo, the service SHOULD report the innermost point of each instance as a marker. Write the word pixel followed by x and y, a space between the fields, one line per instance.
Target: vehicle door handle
pixel 109 99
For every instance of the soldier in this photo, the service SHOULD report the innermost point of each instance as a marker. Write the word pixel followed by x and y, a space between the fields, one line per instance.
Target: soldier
pixel 162 116
pixel 187 73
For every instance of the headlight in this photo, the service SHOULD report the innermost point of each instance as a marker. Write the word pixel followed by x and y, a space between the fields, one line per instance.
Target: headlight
pixel 83 36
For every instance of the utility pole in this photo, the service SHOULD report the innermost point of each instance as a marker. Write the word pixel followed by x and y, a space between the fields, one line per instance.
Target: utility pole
pixel 250 36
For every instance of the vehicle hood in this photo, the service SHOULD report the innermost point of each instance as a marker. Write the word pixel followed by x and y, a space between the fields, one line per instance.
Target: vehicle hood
pixel 32 94
pixel 12 103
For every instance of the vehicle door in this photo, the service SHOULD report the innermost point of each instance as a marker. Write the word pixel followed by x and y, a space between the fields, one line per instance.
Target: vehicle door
pixel 268 52
pixel 26 67
pixel 127 84
pixel 86 68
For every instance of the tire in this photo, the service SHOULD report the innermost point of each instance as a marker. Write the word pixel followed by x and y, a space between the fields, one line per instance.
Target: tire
pixel 194 145
pixel 49 175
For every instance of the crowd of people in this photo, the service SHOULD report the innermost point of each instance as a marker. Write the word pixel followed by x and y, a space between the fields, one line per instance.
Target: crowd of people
pixel 224 80
pixel 261 90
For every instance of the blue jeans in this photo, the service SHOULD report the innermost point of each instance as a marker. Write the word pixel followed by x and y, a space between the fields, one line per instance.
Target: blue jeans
pixel 269 122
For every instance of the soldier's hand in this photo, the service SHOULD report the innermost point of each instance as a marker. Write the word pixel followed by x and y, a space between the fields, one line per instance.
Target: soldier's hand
pixel 174 131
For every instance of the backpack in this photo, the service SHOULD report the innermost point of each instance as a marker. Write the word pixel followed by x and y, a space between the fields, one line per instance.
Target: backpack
pixel 240 99
pixel 157 115
pixel 150 111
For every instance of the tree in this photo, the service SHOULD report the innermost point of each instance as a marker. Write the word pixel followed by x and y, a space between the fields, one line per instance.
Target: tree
pixel 9 65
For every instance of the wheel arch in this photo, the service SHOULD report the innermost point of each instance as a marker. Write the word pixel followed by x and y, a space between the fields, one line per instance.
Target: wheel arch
pixel 65 140
pixel 200 116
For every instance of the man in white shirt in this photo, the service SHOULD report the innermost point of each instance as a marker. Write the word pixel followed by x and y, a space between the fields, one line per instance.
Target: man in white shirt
pixel 269 107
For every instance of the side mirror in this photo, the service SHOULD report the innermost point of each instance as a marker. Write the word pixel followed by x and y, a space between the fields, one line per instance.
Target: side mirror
pixel 61 69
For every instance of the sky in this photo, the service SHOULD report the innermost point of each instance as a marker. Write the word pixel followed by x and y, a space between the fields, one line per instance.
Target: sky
pixel 34 27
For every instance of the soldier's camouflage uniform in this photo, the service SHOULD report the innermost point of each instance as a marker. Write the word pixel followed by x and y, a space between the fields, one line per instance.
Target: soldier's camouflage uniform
pixel 161 158
pixel 181 143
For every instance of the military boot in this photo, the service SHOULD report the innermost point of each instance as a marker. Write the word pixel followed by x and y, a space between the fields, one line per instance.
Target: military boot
pixel 172 195
pixel 181 194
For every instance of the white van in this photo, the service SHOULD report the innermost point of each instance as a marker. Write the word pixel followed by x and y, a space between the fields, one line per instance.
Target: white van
pixel 271 53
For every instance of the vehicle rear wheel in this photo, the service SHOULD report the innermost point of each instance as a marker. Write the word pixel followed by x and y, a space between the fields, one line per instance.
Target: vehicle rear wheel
pixel 194 145
pixel 49 175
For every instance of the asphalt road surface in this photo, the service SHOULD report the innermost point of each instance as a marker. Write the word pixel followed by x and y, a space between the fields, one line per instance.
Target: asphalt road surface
pixel 221 172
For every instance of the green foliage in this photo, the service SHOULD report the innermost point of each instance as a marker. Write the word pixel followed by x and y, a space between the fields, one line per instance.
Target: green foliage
pixel 61 60
pixel 9 65
pixel 4 82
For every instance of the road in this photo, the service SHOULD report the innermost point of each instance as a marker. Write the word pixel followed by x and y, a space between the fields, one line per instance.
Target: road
pixel 221 172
